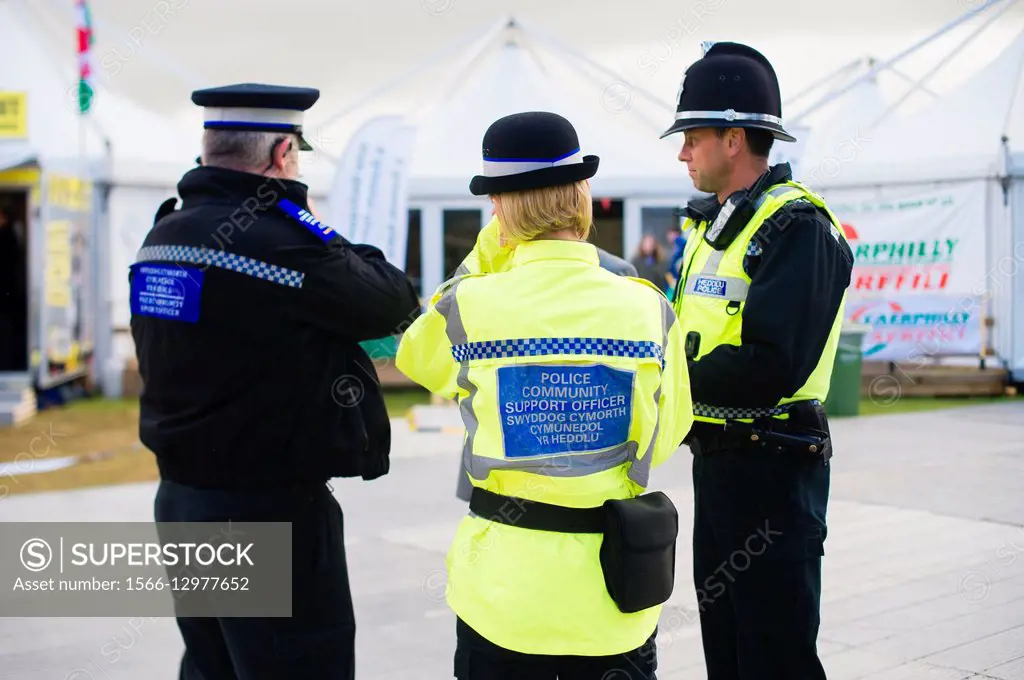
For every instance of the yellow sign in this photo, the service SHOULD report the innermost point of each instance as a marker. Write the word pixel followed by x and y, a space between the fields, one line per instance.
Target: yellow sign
pixel 13 115
pixel 70 193
pixel 58 264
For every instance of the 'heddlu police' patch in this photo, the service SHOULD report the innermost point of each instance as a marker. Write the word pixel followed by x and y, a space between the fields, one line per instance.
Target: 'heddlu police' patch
pixel 706 286
pixel 306 219
pixel 552 410
pixel 166 291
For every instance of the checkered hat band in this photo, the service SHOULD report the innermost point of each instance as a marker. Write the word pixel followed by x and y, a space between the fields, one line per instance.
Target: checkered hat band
pixel 532 347
pixel 218 258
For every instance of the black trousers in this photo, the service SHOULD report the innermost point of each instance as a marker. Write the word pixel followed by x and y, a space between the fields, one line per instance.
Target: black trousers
pixel 318 641
pixel 758 540
pixel 476 658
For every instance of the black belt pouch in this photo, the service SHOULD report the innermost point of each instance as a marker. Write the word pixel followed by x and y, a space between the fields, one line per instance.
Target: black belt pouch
pixel 638 554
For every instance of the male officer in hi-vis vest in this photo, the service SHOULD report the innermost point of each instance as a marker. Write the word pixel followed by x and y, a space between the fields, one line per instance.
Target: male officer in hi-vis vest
pixel 760 294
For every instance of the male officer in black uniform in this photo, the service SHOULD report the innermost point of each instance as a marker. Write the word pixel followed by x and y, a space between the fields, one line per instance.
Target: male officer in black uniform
pixel 761 292
pixel 256 389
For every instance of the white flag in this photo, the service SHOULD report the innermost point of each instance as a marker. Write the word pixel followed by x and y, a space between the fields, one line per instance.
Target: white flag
pixel 368 199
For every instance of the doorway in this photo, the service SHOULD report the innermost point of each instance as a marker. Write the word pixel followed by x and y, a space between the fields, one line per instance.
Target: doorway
pixel 14 286
pixel 608 230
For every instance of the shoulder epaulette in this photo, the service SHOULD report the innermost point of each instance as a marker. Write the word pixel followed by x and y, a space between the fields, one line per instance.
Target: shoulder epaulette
pixel 308 220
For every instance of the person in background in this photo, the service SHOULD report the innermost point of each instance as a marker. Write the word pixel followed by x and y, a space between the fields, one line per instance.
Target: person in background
pixel 572 384
pixel 650 261
pixel 676 241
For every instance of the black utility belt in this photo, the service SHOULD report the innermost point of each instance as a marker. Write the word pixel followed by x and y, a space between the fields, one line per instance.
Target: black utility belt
pixel 638 552
pixel 804 434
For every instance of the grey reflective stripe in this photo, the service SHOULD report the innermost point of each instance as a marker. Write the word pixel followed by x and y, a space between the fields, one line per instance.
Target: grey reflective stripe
pixel 469 418
pixel 448 307
pixel 731 288
pixel 714 259
pixel 640 470
pixel 565 465
pixel 777 192
pixel 461 270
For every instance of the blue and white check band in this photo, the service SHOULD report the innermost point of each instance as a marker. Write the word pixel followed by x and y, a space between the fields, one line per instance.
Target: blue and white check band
pixel 531 347
pixel 728 412
pixel 218 258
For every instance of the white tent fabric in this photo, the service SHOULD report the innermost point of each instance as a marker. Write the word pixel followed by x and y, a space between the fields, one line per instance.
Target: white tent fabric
pixel 144 148
pixel 14 153
pixel 964 140
pixel 514 75
pixel 510 80
pixel 955 137
pixel 841 136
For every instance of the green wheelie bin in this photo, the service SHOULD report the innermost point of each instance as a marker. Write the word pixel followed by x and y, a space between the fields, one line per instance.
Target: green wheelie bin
pixel 844 393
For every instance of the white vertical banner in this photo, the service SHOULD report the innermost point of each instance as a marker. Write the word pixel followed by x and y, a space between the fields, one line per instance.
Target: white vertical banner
pixel 368 195
pixel 389 229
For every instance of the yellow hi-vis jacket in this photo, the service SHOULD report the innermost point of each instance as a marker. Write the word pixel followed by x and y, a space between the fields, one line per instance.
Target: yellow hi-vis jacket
pixel 572 384
pixel 713 296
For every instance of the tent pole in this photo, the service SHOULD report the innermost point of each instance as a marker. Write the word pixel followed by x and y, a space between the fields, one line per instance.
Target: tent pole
pixel 900 74
pixel 825 79
pixel 465 65
pixel 562 47
pixel 1013 101
pixel 401 80
pixel 932 71
pixel 966 16
pixel 556 47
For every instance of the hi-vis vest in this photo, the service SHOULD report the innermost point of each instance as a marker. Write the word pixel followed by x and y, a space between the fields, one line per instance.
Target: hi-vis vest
pixel 713 297
pixel 570 381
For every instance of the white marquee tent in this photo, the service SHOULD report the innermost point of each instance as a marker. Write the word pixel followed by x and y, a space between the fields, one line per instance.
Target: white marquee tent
pixel 965 151
pixel 132 157
pixel 513 69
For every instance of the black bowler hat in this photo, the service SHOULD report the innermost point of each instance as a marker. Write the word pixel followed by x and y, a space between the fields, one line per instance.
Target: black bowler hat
pixel 529 151
pixel 254 106
pixel 733 85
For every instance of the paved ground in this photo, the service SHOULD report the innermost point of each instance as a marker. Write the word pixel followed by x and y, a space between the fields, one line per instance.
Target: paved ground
pixel 924 572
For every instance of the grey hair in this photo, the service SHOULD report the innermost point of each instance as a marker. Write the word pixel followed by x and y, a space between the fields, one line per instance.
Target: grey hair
pixel 242 150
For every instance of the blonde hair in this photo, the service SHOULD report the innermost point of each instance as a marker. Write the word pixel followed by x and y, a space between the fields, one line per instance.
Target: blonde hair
pixel 530 214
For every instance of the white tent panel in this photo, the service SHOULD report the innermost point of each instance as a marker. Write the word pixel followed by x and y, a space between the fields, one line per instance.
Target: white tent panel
pixel 14 153
pixel 144 147
pixel 1011 333
pixel 957 136
pixel 841 137
pixel 510 80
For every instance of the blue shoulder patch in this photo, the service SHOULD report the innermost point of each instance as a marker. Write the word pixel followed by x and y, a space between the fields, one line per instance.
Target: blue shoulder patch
pixel 306 219
pixel 166 291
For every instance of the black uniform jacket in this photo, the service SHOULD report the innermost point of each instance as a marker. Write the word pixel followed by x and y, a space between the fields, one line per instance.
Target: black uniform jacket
pixel 246 326
pixel 799 271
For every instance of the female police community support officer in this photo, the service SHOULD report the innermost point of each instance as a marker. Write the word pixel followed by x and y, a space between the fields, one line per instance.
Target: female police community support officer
pixel 572 385
pixel 491 255
pixel 761 296
pixel 256 389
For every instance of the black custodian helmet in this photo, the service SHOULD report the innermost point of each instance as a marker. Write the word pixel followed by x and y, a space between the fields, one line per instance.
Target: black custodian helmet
pixel 732 85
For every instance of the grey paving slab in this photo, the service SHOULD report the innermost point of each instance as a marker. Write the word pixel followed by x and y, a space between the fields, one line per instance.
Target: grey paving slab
pixel 1011 670
pixel 985 653
pixel 918 671
pixel 918 583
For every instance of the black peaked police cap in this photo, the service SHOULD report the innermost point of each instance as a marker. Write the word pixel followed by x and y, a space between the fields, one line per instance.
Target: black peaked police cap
pixel 531 150
pixel 732 85
pixel 255 106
